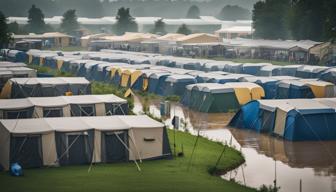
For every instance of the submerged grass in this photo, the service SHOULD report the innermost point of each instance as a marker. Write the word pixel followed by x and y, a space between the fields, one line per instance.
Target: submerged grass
pixel 160 175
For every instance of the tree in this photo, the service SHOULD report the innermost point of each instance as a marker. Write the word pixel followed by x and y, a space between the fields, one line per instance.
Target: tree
pixel 159 27
pixel 234 12
pixel 5 36
pixel 69 22
pixel 270 19
pixel 183 29
pixel 36 22
pixel 193 12
pixel 125 22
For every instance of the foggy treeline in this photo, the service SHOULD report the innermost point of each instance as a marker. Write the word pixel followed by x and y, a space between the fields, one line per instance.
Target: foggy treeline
pixel 100 8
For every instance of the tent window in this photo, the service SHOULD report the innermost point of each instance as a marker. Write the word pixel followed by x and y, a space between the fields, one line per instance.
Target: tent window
pixel 52 112
pixel 23 114
pixel 87 110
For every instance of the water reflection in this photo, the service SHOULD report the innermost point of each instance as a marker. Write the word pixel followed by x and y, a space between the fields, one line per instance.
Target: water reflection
pixel 267 158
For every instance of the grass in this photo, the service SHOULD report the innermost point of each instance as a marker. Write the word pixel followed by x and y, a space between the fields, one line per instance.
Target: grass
pixel 161 175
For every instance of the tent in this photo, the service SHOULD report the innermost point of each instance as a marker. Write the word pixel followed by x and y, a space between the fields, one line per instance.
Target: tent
pixel 246 91
pixel 81 140
pixel 209 78
pixel 253 68
pixel 320 89
pixel 17 56
pixel 292 89
pixel 233 67
pixel 45 87
pixel 310 71
pixel 267 83
pixel 13 72
pixel 213 66
pixel 62 106
pixel 210 98
pixel 329 75
pixel 175 84
pixel 232 78
pixel 289 70
pixel 156 82
pixel 270 70
pixel 291 119
pixel 8 64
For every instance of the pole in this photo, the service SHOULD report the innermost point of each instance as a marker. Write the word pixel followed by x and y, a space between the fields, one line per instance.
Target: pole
pixel 300 185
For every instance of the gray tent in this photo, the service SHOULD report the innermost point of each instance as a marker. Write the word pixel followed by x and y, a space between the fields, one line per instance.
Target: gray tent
pixel 45 87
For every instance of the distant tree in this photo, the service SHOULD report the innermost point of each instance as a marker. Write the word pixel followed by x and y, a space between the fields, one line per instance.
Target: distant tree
pixel 159 27
pixel 193 12
pixel 270 19
pixel 234 12
pixel 183 29
pixel 125 22
pixel 69 23
pixel 36 22
pixel 5 36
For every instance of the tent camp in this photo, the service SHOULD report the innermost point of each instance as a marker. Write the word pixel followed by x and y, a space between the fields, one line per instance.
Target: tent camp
pixel 81 140
pixel 175 84
pixel 62 106
pixel 45 87
pixel 210 98
pixel 291 119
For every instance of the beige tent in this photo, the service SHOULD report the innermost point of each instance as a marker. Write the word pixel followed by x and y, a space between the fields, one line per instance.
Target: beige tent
pixel 199 38
pixel 81 140
pixel 63 106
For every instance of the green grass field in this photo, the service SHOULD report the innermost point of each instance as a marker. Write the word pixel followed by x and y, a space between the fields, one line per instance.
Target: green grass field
pixel 159 175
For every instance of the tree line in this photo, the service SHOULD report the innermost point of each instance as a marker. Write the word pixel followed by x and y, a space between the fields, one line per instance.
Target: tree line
pixel 295 19
pixel 139 8
pixel 69 25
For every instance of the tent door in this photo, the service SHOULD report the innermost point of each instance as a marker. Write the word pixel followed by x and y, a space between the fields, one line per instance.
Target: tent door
pixel 77 152
pixel 115 151
pixel 26 150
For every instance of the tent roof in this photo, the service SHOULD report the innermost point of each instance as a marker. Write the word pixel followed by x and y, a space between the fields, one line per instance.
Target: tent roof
pixel 11 64
pixel 58 101
pixel 178 77
pixel 50 80
pixel 71 124
pixel 242 85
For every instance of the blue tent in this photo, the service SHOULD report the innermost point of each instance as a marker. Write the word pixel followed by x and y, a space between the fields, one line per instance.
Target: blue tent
pixel 329 75
pixel 253 68
pixel 292 89
pixel 176 84
pixel 156 82
pixel 233 67
pixel 289 70
pixel 292 119
pixel 309 71
pixel 209 78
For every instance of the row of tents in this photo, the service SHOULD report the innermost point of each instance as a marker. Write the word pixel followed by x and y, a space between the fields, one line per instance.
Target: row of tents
pixel 291 119
pixel 56 59
pixel 63 106
pixel 10 70
pixel 81 140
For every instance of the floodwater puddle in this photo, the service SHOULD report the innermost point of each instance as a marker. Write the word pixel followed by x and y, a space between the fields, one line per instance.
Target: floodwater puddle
pixel 268 159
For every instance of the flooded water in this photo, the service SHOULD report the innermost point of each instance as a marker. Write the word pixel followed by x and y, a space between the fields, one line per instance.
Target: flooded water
pixel 268 159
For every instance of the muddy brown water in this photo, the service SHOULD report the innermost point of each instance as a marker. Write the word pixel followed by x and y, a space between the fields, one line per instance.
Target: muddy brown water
pixel 267 158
